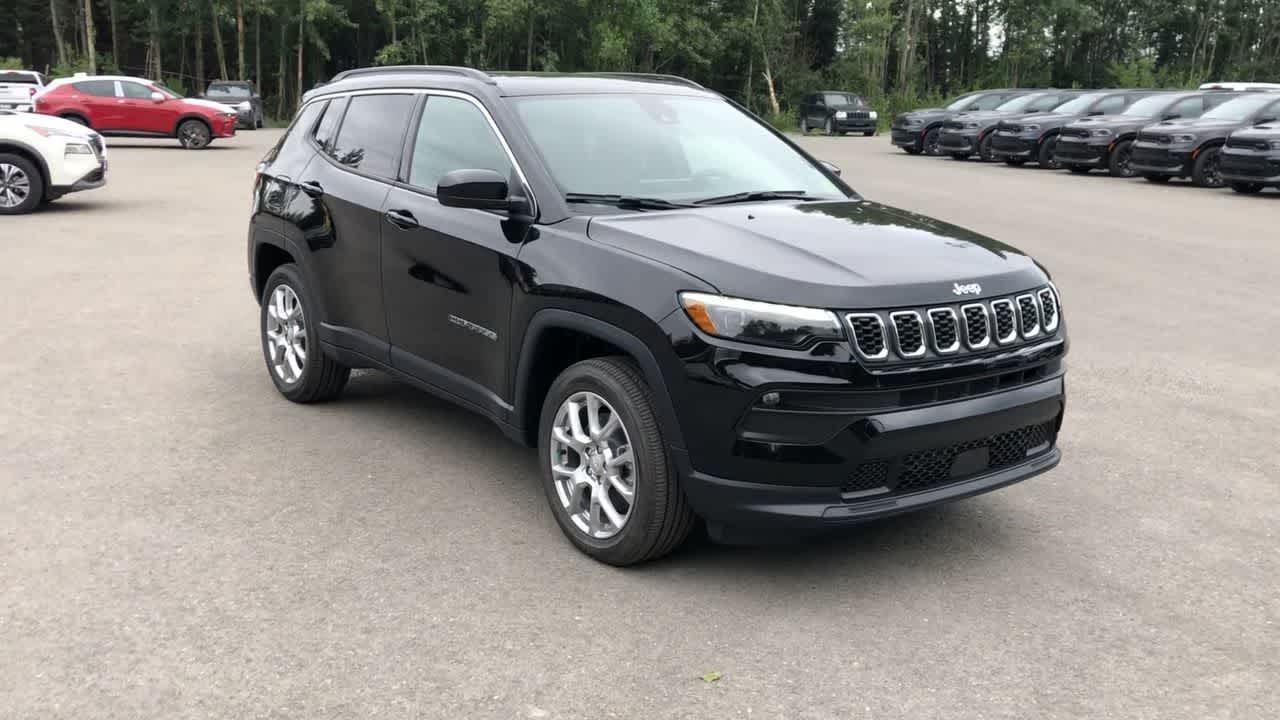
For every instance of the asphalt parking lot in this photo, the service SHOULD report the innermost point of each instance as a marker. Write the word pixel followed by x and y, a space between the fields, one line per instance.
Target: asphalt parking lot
pixel 177 541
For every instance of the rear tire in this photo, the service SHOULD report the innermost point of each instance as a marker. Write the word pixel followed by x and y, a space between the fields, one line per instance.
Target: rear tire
pixel 657 517
pixel 1205 171
pixel 1118 161
pixel 1045 157
pixel 1247 188
pixel 21 185
pixel 194 135
pixel 288 322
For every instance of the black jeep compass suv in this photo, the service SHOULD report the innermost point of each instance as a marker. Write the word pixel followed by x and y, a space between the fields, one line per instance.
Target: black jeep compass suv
pixel 685 313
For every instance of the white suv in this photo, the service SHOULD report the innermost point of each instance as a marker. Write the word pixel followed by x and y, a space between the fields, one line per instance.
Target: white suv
pixel 18 89
pixel 43 158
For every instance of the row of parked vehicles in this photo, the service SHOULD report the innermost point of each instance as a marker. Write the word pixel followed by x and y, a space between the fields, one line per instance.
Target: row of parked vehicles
pixel 1219 135
pixel 51 132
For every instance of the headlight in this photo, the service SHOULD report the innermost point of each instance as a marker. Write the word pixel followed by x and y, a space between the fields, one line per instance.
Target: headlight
pixel 840 114
pixel 759 322
pixel 912 122
pixel 1030 128
pixel 77 149
pixel 1182 139
pixel 245 106
pixel 873 115
pixel 1101 133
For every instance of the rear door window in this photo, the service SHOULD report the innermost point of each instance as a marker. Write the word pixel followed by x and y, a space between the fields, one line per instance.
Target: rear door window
pixel 372 133
pixel 96 88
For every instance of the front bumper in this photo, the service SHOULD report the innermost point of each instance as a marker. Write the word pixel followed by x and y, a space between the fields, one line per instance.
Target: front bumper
pixel 850 124
pixel 906 137
pixel 1007 146
pixel 1153 159
pixel 1079 152
pixel 951 140
pixel 910 459
pixel 224 126
pixel 1248 166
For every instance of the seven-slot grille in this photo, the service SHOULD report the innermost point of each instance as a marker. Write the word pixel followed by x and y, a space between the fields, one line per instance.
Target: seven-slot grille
pixel 946 330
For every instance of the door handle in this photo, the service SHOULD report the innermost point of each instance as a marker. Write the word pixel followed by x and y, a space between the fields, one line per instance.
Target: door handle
pixel 402 219
pixel 312 188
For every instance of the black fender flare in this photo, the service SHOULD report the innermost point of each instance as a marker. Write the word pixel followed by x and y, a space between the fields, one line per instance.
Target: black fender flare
pixel 35 155
pixel 558 318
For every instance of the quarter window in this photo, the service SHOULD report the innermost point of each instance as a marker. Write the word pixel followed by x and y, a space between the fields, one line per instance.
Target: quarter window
pixel 327 131
pixel 454 135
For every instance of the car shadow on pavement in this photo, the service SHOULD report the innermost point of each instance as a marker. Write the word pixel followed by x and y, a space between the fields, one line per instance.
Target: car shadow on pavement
pixel 969 531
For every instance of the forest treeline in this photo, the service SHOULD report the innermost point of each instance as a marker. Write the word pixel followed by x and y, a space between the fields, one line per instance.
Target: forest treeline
pixel 763 52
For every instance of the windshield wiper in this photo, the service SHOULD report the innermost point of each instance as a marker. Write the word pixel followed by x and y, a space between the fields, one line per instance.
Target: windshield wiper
pixel 755 195
pixel 626 202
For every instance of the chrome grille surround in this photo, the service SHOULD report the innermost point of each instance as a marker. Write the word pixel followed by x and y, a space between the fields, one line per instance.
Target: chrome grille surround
pixel 945 331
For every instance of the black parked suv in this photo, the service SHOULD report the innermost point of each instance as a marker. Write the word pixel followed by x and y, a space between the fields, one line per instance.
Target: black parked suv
pixel 972 132
pixel 836 112
pixel 1251 159
pixel 684 312
pixel 1106 141
pixel 917 131
pixel 1034 137
pixel 1178 148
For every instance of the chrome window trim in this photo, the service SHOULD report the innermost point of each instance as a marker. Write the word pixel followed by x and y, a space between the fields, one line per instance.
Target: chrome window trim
pixel 1035 305
pixel 897 341
pixel 986 318
pixel 995 326
pixel 524 180
pixel 853 336
pixel 933 334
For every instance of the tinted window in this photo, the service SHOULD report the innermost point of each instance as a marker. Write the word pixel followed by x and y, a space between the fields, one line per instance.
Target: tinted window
pixel 328 127
pixel 232 92
pixel 297 133
pixel 1240 108
pixel 454 135
pixel 1190 107
pixel 1111 104
pixel 136 90
pixel 372 133
pixel 98 88
pixel 19 77
pixel 989 102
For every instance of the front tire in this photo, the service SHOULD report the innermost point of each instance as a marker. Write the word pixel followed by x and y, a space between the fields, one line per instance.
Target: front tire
pixel 1118 163
pixel 1205 172
pixel 829 127
pixel 1247 188
pixel 194 135
pixel 932 142
pixel 1046 157
pixel 290 344
pixel 984 148
pixel 610 484
pixel 21 185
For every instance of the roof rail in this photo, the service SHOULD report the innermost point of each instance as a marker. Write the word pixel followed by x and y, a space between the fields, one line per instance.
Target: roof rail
pixel 656 77
pixel 442 69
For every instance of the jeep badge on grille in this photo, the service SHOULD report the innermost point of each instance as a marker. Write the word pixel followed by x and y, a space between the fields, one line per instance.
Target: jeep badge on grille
pixel 970 289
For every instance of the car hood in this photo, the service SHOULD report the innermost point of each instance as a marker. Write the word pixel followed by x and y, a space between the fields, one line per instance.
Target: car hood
pixel 1053 119
pixel 1113 122
pixel 1197 126
pixel 835 254
pixel 51 122
pixel 220 107
pixel 1258 132
pixel 927 114
pixel 989 116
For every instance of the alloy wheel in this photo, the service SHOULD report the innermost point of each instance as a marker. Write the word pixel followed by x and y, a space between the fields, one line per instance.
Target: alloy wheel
pixel 193 135
pixel 1212 176
pixel 15 186
pixel 286 334
pixel 1124 157
pixel 592 466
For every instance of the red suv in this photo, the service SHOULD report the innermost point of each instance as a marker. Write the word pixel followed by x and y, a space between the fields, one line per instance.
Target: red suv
pixel 136 107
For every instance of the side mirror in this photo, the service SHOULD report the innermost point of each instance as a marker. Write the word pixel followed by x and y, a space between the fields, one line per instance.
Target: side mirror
pixel 1171 116
pixel 157 97
pixel 830 168
pixel 1097 112
pixel 475 189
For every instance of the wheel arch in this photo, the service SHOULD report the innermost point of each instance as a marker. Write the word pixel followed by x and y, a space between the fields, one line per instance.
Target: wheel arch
pixel 192 116
pixel 267 256
pixel 15 147
pixel 557 338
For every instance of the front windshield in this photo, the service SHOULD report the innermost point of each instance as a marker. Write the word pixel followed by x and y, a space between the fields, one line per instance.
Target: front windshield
pixel 1150 106
pixel 834 99
pixel 1080 104
pixel 964 101
pixel 231 92
pixel 670 147
pixel 1240 108
pixel 1020 104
